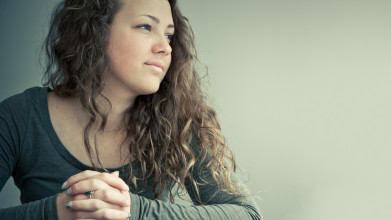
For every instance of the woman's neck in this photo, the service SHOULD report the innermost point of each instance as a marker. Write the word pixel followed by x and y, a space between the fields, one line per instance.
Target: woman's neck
pixel 115 111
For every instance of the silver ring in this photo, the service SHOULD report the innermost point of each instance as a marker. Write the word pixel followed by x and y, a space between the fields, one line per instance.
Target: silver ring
pixel 89 194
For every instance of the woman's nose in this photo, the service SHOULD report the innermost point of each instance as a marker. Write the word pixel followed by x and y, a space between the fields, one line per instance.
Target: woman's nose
pixel 162 46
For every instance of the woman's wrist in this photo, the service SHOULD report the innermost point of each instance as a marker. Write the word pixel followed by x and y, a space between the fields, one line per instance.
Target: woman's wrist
pixel 62 211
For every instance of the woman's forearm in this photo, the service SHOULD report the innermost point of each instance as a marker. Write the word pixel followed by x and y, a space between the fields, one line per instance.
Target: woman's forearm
pixel 143 208
pixel 44 209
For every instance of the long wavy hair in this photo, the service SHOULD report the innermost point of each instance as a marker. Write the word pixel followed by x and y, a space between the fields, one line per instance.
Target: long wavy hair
pixel 160 126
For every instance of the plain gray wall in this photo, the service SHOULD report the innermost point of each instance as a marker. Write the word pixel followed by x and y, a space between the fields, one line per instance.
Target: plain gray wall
pixel 302 89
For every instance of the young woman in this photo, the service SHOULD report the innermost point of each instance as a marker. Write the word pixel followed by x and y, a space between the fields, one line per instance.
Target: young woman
pixel 122 124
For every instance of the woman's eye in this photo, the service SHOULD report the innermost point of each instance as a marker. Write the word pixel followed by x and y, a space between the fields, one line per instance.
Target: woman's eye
pixel 145 27
pixel 169 37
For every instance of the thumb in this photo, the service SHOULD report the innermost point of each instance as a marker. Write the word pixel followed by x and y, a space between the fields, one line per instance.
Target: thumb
pixel 115 173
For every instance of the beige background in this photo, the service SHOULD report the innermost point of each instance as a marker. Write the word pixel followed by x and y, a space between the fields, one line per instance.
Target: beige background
pixel 302 89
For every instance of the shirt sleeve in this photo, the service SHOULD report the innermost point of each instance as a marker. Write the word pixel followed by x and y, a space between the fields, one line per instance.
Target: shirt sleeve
pixel 213 204
pixel 44 209
pixel 143 208
pixel 13 124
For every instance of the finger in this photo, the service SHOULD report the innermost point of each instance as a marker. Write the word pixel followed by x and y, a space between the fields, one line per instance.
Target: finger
pixel 115 173
pixel 96 182
pixel 84 186
pixel 82 176
pixel 111 214
pixel 110 195
pixel 90 205
pixel 113 180
pixel 128 198
pixel 78 177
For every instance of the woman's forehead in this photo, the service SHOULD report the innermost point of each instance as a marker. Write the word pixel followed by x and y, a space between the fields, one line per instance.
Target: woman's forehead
pixel 159 10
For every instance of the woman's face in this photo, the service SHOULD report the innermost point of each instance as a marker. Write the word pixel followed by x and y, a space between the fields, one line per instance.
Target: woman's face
pixel 139 47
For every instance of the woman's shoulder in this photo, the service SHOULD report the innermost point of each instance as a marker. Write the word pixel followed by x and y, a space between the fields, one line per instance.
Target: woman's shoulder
pixel 15 113
pixel 19 103
pixel 28 94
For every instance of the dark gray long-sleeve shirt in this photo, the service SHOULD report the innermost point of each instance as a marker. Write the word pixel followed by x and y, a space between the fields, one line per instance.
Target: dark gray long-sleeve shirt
pixel 32 153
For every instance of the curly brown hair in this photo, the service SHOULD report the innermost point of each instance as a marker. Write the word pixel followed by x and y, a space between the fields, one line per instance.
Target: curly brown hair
pixel 160 126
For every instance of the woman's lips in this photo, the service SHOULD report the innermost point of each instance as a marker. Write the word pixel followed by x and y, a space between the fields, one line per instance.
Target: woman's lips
pixel 155 65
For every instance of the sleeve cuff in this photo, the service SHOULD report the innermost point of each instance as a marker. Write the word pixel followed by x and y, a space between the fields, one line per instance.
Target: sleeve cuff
pixel 134 206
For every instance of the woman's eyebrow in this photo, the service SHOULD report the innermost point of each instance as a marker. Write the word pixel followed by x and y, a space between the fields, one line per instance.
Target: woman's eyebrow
pixel 155 19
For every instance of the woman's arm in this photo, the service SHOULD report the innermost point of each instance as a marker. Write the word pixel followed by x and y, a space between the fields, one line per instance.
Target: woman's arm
pixel 216 204
pixel 213 204
pixel 227 208
pixel 44 209
pixel 221 206
pixel 13 124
